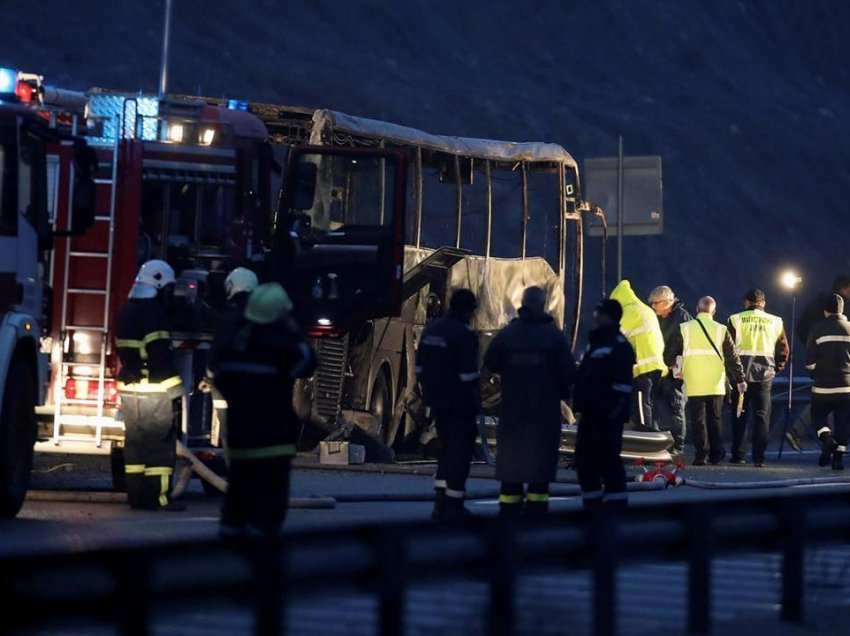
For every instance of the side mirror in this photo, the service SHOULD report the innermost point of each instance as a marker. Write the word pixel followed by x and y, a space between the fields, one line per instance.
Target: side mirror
pixel 83 204
pixel 306 176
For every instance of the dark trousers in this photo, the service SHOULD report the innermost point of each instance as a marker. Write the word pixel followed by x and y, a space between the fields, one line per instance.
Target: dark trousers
pixel 643 391
pixel 257 497
pixel 151 421
pixel 598 445
pixel 704 413
pixel 839 408
pixel 668 409
pixel 456 432
pixel 757 405
pixel 513 495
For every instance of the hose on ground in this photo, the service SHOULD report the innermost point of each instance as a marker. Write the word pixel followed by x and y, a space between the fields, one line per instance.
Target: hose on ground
pixel 771 483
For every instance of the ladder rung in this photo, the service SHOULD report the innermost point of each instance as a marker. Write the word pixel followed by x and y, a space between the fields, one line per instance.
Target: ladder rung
pixel 85 328
pixel 103 181
pixel 91 254
pixel 83 364
pixel 102 217
pixel 79 401
pixel 93 292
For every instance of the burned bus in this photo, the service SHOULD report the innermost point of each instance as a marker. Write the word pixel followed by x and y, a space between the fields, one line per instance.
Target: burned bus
pixel 492 216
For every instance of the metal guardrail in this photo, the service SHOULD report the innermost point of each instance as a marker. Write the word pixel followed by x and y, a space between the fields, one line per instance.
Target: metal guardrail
pixel 124 586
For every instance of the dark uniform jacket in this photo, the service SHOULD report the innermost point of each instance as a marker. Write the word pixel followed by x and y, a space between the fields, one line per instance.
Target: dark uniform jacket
pixel 533 358
pixel 255 368
pixel 828 357
pixel 447 365
pixel 813 314
pixel 143 341
pixel 603 384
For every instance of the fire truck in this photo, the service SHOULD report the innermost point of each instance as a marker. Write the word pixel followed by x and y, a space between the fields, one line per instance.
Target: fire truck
pixel 31 133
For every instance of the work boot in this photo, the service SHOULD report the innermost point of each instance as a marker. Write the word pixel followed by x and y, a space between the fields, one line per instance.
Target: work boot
pixel 838 460
pixel 439 504
pixel 828 446
pixel 454 510
pixel 173 506
pixel 536 509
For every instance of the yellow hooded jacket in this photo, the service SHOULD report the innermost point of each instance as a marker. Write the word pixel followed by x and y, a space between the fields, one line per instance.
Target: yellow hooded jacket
pixel 640 326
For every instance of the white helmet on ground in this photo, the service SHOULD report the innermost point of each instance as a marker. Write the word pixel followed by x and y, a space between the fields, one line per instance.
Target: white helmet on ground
pixel 240 280
pixel 152 276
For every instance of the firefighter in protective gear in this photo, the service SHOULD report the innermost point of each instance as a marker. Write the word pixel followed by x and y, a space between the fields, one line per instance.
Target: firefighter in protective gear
pixel 150 389
pixel 708 358
pixel 447 366
pixel 640 327
pixel 259 357
pixel 237 287
pixel 533 358
pixel 763 347
pixel 601 397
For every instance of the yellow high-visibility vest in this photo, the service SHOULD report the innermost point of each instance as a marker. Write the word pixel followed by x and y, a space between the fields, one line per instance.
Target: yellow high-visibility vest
pixel 703 371
pixel 640 327
pixel 756 334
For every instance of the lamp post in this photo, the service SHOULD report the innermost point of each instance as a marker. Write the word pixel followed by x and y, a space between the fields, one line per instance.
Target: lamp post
pixel 790 281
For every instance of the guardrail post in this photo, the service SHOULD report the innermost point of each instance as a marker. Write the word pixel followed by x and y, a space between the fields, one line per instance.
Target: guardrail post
pixel 700 538
pixel 268 557
pixel 602 540
pixel 503 565
pixel 132 586
pixel 389 549
pixel 792 528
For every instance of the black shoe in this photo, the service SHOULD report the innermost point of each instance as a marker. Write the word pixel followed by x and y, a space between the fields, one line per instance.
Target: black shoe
pixel 828 446
pixel 838 460
pixel 717 459
pixel 173 506
pixel 740 461
pixel 760 464
pixel 699 460
pixel 793 440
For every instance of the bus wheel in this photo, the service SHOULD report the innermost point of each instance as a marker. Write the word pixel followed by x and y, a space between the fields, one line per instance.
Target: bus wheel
pixel 116 466
pixel 380 406
pixel 17 437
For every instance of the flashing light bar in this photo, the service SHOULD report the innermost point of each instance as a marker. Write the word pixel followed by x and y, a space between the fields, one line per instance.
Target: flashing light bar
pixel 8 81
pixel 235 104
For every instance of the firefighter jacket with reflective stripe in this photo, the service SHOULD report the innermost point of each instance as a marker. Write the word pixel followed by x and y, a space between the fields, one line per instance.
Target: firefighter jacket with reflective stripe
pixel 447 364
pixel 255 370
pixel 703 370
pixel 639 325
pixel 761 343
pixel 143 341
pixel 603 384
pixel 828 357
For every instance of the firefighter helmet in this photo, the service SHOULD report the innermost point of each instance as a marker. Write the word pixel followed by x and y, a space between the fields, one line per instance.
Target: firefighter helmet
pixel 153 276
pixel 240 280
pixel 268 303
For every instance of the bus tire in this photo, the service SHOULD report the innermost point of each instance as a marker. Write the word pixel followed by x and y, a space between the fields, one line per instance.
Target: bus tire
pixel 380 405
pixel 18 428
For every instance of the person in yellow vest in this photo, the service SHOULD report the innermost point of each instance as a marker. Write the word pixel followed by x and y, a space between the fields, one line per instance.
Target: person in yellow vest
pixel 708 358
pixel 640 327
pixel 763 347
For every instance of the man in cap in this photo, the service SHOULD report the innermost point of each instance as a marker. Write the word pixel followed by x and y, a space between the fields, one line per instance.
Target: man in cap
pixel 708 357
pixel 447 366
pixel 763 347
pixel 668 403
pixel 259 358
pixel 150 389
pixel 828 361
pixel 640 327
pixel 533 358
pixel 601 398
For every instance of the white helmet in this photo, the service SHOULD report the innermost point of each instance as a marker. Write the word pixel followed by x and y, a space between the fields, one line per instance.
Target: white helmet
pixel 240 280
pixel 152 276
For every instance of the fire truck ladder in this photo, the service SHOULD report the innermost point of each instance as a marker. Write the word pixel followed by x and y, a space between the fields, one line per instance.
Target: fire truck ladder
pixel 67 330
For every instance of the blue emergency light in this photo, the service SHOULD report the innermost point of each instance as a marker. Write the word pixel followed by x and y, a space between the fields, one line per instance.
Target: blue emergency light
pixel 8 81
pixel 235 104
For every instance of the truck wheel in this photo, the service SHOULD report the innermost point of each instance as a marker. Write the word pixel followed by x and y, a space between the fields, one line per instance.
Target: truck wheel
pixel 17 437
pixel 380 406
pixel 116 466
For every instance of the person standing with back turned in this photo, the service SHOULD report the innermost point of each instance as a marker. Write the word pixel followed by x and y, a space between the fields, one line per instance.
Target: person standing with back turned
pixel 533 358
pixel 763 347
pixel 150 388
pixel 447 366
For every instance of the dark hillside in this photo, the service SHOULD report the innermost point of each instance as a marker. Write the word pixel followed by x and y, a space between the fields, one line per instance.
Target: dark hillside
pixel 747 101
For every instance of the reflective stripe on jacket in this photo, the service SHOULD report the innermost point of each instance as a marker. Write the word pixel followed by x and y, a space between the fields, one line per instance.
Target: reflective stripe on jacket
pixel 757 334
pixel 639 325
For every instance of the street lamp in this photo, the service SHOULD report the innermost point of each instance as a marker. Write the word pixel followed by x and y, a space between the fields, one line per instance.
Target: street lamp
pixel 790 280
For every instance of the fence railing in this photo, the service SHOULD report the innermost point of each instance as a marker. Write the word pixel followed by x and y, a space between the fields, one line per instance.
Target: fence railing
pixel 126 586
